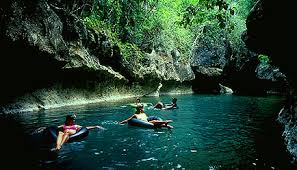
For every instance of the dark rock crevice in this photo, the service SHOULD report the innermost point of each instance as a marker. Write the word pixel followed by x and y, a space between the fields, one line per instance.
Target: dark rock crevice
pixel 216 62
pixel 25 68
pixel 270 31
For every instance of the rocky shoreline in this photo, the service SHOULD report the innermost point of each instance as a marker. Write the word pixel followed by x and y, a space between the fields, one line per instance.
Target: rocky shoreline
pixel 56 97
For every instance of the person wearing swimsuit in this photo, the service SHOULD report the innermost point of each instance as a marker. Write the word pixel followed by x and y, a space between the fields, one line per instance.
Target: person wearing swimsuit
pixel 69 128
pixel 139 114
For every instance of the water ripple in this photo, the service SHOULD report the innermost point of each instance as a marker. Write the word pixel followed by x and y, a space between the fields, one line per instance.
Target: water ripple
pixel 210 132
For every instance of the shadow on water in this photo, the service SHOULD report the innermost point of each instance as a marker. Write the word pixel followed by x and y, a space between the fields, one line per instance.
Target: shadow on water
pixel 16 149
pixel 268 158
pixel 21 148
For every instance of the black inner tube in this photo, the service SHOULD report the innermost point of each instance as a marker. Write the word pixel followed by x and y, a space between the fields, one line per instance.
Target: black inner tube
pixel 80 134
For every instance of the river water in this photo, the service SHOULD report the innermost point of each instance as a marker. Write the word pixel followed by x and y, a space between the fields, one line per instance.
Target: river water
pixel 210 132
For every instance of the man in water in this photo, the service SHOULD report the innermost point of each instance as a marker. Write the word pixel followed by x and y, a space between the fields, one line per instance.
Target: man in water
pixel 140 115
pixel 172 105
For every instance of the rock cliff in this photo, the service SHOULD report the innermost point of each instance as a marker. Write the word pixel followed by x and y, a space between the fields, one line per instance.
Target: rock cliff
pixel 271 33
pixel 50 58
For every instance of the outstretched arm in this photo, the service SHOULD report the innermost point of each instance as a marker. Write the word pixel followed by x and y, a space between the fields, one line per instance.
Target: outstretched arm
pixel 93 127
pixel 125 121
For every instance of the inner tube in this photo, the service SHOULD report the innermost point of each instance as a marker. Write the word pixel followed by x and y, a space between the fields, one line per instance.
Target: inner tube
pixel 80 134
pixel 168 107
pixel 140 123
pixel 143 104
pixel 145 124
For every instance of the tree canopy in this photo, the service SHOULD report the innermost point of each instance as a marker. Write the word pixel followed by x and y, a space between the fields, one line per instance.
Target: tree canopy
pixel 164 25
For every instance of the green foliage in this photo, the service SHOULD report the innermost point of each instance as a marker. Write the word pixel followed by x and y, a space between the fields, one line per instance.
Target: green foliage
pixel 167 31
pixel 129 51
pixel 166 25
pixel 263 58
pixel 226 16
pixel 97 24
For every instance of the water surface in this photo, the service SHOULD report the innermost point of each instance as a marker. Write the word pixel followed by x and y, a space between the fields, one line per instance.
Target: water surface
pixel 210 132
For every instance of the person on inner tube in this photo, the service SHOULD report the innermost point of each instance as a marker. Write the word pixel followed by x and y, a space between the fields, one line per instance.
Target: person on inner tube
pixel 172 105
pixel 137 102
pixel 69 128
pixel 139 114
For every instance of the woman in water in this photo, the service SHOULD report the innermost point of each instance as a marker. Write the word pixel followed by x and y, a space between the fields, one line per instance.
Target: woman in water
pixel 139 114
pixel 69 128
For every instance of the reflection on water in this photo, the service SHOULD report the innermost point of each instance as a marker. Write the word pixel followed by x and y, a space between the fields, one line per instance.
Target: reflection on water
pixel 210 132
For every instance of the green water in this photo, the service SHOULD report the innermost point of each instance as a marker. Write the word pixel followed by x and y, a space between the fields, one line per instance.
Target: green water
pixel 210 132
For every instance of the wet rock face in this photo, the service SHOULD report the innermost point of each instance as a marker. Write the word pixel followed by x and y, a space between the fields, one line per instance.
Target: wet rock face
pixel 214 62
pixel 210 50
pixel 254 78
pixel 37 25
pixel 44 48
pixel 165 67
pixel 269 72
pixel 207 79
pixel 276 81
pixel 28 46
pixel 288 118
pixel 209 57
pixel 270 32
pixel 36 53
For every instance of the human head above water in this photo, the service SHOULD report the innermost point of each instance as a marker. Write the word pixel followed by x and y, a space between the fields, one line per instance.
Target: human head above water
pixel 138 100
pixel 174 100
pixel 139 108
pixel 69 119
